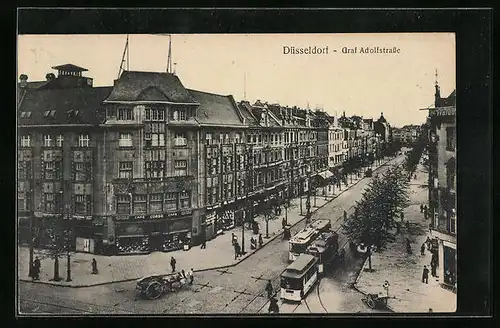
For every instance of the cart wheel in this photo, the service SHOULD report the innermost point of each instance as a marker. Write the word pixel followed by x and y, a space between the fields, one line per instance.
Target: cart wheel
pixel 370 302
pixel 154 290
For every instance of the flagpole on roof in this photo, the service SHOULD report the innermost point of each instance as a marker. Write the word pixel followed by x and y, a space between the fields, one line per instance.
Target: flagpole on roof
pixel 125 52
pixel 169 58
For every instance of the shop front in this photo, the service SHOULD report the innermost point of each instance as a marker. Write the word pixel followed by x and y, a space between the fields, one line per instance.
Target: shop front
pixel 179 234
pixel 209 228
pixel 131 238
pixel 449 266
pixel 226 217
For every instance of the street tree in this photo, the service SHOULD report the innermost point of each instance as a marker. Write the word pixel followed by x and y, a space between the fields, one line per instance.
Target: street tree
pixel 375 213
pixel 269 212
pixel 59 241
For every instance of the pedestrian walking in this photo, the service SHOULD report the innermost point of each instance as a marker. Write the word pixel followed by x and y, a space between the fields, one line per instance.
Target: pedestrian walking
pixel 237 250
pixel 398 227
pixel 283 223
pixel 422 249
pixel 428 242
pixel 402 216
pixel 94 266
pixel 172 263
pixel 273 306
pixel 408 246
pixel 269 289
pixel 261 241
pixel 203 244
pixel 421 208
pixel 425 275
pixel 191 276
pixel 434 264
pixel 233 238
pixel 253 243
pixel 36 268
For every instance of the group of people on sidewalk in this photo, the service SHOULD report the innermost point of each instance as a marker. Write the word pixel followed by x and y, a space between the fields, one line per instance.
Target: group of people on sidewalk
pixel 253 244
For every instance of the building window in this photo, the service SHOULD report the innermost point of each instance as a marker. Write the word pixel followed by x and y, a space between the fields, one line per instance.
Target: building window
pixel 155 114
pixel 49 202
pixel 179 114
pixel 83 140
pixel 180 140
pixel 125 170
pixel 157 140
pixel 125 114
pixel 47 140
pixel 25 141
pixel 82 204
pixel 82 171
pixel 208 138
pixel 154 169
pixel 125 140
pixel 59 141
pixel 450 138
pixel 180 168
pixel 170 202
pixel 140 204
pixel 156 203
pixel 184 200
pixel 237 137
pixel 123 204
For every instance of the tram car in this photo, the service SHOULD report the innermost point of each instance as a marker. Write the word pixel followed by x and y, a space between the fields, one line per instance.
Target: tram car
pixel 299 242
pixel 299 278
pixel 322 225
pixel 325 249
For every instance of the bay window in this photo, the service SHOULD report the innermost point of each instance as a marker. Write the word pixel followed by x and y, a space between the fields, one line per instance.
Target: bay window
pixel 123 204
pixel 140 204
pixel 180 168
pixel 125 114
pixel 170 202
pixel 125 170
pixel 125 140
pixel 155 203
pixel 180 139
pixel 184 200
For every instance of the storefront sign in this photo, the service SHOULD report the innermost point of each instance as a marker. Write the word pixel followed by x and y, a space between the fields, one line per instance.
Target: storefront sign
pixel 443 111
pixel 171 214
pixel 156 216
pixel 185 212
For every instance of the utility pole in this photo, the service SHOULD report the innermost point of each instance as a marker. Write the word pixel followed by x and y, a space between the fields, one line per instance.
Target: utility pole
pixel 249 206
pixel 308 202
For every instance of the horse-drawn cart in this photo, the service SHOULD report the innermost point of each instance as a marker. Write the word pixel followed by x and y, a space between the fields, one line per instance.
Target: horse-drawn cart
pixel 374 301
pixel 152 287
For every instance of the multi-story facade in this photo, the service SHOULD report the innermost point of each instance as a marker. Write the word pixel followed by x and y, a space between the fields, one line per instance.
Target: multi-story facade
pixel 442 184
pixel 147 164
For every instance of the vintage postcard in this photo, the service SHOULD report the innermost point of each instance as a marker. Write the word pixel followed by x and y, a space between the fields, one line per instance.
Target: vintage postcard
pixel 236 174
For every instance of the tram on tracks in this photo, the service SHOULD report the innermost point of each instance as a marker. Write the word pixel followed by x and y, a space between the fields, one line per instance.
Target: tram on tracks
pixel 299 278
pixel 325 248
pixel 323 225
pixel 299 242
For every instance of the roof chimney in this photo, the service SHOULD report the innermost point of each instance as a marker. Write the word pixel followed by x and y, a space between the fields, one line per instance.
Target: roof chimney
pixel 24 80
pixel 50 76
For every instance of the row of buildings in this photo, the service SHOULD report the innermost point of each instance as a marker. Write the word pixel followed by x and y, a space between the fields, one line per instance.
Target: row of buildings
pixel 407 135
pixel 442 184
pixel 147 164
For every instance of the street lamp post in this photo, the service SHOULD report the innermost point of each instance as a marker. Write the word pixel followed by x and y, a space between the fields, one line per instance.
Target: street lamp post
pixel 308 203
pixel 249 158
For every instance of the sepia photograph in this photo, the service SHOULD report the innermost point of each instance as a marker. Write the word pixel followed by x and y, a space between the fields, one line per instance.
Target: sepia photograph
pixel 236 174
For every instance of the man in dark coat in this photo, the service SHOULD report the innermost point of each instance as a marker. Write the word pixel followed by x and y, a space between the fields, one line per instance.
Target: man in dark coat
pixel 237 250
pixel 36 269
pixel 421 208
pixel 434 264
pixel 172 263
pixel 94 266
pixel 269 289
pixel 425 275
pixel 283 223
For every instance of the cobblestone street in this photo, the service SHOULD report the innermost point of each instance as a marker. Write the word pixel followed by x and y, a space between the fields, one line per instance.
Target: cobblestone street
pixel 238 289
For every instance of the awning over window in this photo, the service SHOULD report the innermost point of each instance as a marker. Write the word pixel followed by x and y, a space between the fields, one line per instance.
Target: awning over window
pixel 325 174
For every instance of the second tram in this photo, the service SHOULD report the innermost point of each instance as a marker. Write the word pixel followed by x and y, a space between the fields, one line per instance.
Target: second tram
pixel 299 278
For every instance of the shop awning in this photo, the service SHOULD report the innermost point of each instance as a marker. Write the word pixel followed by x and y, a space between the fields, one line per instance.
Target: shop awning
pixel 325 174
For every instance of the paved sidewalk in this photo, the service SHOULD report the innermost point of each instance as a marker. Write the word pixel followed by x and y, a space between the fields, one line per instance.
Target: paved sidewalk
pixel 404 272
pixel 218 253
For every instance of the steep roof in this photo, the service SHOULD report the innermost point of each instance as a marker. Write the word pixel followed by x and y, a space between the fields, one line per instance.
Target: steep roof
pixel 450 100
pixel 33 85
pixel 61 106
pixel 216 109
pixel 70 68
pixel 246 111
pixel 158 86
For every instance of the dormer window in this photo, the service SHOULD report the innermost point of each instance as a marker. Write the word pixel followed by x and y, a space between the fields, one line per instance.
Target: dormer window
pixel 179 114
pixel 49 113
pixel 59 141
pixel 83 140
pixel 155 114
pixel 47 141
pixel 25 141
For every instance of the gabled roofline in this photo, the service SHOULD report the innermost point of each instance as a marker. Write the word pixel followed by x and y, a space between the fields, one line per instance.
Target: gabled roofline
pixel 235 105
pixel 147 102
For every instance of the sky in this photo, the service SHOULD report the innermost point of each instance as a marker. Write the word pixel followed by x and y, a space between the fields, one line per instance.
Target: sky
pixel 363 84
